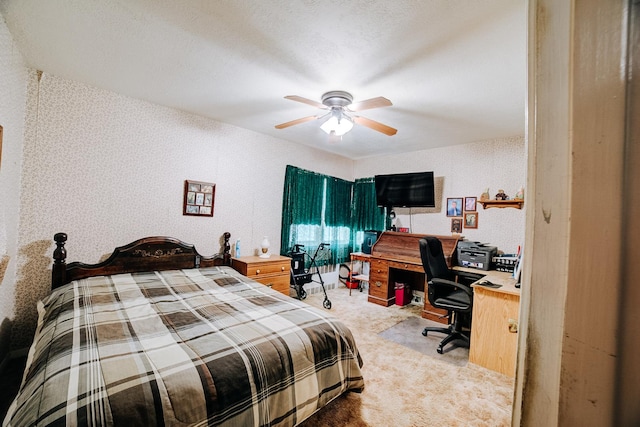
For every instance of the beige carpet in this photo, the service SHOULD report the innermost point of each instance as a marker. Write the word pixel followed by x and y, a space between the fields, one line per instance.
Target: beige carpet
pixel 404 387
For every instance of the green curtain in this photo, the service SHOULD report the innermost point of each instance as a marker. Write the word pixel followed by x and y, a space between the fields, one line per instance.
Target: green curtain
pixel 316 209
pixel 337 218
pixel 366 213
pixel 302 203
pixel 338 202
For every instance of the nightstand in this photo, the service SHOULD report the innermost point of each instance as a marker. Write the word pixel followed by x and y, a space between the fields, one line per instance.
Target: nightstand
pixel 273 271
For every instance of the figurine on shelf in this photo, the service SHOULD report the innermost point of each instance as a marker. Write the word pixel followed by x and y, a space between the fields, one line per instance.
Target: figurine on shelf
pixel 520 194
pixel 485 195
pixel 501 195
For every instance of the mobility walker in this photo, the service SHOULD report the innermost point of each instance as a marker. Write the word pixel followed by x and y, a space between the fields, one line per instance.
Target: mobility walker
pixel 300 275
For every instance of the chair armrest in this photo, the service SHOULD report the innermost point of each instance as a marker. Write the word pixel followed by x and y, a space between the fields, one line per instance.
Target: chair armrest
pixel 455 285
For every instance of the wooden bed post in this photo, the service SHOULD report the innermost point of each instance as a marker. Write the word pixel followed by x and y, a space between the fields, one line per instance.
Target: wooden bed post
pixel 59 270
pixel 226 249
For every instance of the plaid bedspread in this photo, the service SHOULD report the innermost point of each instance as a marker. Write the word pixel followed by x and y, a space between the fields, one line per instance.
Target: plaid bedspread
pixel 183 347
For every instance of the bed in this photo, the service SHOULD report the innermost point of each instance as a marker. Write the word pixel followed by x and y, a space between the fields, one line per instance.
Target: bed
pixel 159 335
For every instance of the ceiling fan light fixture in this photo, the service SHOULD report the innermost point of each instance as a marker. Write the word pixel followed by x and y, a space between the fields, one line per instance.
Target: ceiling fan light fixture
pixel 339 104
pixel 338 124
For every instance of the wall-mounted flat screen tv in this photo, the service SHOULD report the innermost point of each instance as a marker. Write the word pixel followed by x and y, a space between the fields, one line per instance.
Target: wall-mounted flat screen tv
pixel 405 190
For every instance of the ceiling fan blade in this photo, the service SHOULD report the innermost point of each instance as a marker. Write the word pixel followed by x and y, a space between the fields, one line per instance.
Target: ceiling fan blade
pixel 368 104
pixel 296 122
pixel 306 101
pixel 372 124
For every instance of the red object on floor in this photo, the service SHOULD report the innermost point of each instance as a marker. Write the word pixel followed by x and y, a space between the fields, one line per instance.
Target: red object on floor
pixel 403 294
pixel 352 284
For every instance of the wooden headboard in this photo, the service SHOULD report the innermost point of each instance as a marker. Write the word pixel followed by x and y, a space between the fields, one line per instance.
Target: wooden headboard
pixel 147 254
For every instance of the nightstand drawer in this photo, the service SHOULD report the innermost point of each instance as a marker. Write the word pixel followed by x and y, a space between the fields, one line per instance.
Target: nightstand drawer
pixel 278 283
pixel 273 271
pixel 254 266
pixel 266 269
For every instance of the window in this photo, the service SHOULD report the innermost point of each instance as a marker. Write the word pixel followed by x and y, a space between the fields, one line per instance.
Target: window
pixel 319 208
pixel 316 209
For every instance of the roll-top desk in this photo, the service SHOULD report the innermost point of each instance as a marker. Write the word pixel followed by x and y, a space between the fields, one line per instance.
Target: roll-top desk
pixel 395 257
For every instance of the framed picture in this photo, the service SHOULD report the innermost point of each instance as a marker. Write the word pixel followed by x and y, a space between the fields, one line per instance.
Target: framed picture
pixel 454 206
pixel 471 220
pixel 470 204
pixel 456 225
pixel 198 198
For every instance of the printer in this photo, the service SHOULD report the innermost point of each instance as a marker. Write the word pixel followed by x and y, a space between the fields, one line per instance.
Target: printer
pixel 475 255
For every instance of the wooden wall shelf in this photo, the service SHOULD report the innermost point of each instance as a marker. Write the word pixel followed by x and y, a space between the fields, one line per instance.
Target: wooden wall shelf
pixel 486 204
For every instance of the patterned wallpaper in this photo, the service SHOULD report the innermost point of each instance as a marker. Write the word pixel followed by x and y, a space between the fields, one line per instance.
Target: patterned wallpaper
pixel 107 169
pixel 465 171
pixel 13 78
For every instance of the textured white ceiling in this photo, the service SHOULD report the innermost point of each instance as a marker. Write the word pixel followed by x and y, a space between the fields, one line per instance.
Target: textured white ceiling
pixel 455 70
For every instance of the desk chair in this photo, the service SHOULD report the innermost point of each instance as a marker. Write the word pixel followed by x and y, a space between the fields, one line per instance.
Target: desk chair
pixel 443 292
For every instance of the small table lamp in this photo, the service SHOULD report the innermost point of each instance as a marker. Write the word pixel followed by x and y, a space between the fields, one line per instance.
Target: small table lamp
pixel 264 248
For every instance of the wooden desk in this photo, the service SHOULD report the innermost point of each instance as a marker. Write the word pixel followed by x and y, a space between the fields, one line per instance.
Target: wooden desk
pixel 395 257
pixel 494 322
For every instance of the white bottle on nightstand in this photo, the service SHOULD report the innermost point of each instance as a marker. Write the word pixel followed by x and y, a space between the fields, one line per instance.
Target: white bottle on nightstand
pixel 238 248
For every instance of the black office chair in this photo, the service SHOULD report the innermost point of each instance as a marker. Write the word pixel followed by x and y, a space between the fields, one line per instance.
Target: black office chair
pixel 444 292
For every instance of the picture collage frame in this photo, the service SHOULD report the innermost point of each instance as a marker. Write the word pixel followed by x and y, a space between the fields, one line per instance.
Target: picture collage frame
pixel 199 198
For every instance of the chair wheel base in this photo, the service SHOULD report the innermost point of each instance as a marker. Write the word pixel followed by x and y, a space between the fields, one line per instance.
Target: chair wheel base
pixel 452 335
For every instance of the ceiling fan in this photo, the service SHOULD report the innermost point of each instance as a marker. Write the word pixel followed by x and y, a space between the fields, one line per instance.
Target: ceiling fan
pixel 341 108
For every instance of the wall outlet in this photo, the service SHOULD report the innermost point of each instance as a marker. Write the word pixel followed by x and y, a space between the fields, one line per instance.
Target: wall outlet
pixel 417 298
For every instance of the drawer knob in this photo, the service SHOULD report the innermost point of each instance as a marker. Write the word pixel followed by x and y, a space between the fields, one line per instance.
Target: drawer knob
pixel 378 283
pixel 258 271
pixel 281 268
